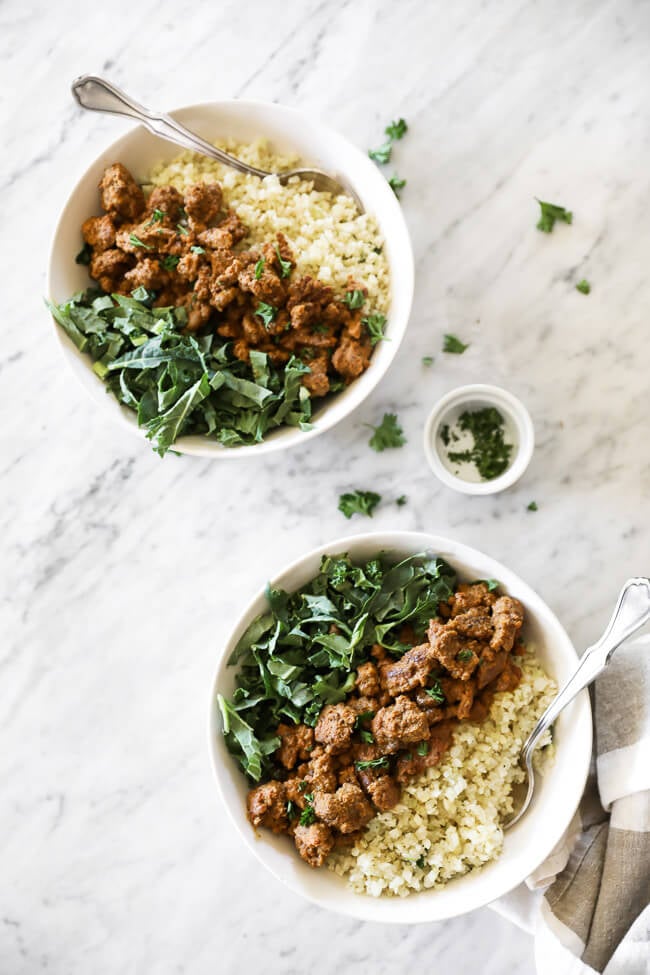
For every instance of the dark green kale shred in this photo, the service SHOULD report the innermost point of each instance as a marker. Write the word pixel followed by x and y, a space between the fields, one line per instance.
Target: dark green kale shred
pixel 303 652
pixel 179 384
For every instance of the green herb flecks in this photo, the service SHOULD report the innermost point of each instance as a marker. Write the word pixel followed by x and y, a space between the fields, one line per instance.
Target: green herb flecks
pixel 266 312
pixel 423 748
pixel 375 325
pixel 136 242
pixel 157 216
pixel 401 501
pixel 490 453
pixel 372 763
pixel 583 287
pixel 259 268
pixel 453 345
pixel 396 184
pixel 308 815
pixel 436 692
pixel 169 262
pixel 550 213
pixel 532 506
pixel 366 736
pixel 197 250
pixel 427 360
pixel 387 434
pixel 421 862
pixel 182 229
pixel 396 130
pixel 354 299
pixel 285 266
pixel 383 154
pixel 358 502
pixel 303 651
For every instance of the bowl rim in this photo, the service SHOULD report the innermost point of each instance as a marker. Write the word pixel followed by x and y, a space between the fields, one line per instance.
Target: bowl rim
pixel 364 905
pixel 197 445
pixel 508 403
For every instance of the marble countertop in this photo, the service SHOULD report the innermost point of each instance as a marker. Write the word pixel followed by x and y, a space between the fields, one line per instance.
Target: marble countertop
pixel 122 572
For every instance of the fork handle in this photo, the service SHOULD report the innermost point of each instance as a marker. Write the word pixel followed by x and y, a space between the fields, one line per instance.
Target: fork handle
pixel 99 95
pixel 631 612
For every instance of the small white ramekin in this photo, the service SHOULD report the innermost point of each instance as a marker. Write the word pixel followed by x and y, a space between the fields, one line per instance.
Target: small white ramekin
pixel 477 396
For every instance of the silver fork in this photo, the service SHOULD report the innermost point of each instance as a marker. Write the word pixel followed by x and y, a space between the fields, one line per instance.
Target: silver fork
pixel 98 95
pixel 632 611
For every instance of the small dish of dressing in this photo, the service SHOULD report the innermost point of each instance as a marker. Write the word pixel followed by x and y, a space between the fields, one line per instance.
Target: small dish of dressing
pixel 479 439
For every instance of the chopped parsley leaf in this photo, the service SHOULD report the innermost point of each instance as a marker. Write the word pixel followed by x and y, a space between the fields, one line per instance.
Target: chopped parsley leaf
pixel 387 434
pixel 367 737
pixel 358 502
pixel 291 809
pixel 427 360
pixel 354 299
pixel 444 434
pixel 550 213
pixel 307 816
pixel 532 506
pixel 401 501
pixel 464 655
pixel 454 345
pixel 259 268
pixel 285 266
pixel 157 216
pixel 375 325
pixel 360 718
pixel 373 763
pixel 266 312
pixel 423 748
pixel 197 250
pixel 169 262
pixel 436 692
pixel 182 230
pixel 396 130
pixel 381 155
pixel 396 184
pixel 583 287
pixel 136 242
pixel 320 329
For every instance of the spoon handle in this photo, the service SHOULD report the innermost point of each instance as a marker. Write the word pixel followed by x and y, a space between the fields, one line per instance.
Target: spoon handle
pixel 98 95
pixel 631 612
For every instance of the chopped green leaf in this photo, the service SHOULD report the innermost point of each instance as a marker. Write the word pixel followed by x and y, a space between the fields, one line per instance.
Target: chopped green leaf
pixel 464 655
pixel 266 312
pixel 360 718
pixel 387 434
pixel 292 809
pixel 427 360
pixel 453 345
pixel 197 250
pixel 307 816
pixel 550 213
pixel 375 325
pixel 84 256
pixel 401 501
pixel 144 295
pixel 366 736
pixel 285 266
pixel 396 184
pixel 423 748
pixel 354 299
pixel 359 502
pixel 136 242
pixel 259 268
pixel 583 287
pixel 156 217
pixel 381 155
pixel 532 506
pixel 421 862
pixel 436 692
pixel 396 130
pixel 169 262
pixel 373 763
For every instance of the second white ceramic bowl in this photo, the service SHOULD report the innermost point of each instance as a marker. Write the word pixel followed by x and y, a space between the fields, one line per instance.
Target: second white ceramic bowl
pixel 288 130
pixel 526 845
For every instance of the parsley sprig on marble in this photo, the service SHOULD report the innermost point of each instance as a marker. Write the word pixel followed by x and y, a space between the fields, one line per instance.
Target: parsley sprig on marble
pixel 387 434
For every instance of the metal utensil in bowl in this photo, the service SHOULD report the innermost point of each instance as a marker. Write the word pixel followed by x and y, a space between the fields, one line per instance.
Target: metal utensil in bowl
pixel 98 95
pixel 631 612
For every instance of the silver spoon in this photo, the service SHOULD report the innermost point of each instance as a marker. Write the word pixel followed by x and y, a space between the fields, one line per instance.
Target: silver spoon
pixel 632 611
pixel 98 95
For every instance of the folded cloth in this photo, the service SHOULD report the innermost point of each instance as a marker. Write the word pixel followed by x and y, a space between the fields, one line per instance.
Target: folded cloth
pixel 588 904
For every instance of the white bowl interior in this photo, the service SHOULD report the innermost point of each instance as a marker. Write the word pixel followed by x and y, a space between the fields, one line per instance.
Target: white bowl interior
pixel 526 845
pixel 287 130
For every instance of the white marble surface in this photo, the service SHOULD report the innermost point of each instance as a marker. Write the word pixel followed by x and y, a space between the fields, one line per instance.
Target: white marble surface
pixel 122 572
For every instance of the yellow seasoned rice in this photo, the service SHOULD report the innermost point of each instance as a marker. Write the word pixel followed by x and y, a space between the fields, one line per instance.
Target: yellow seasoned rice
pixel 331 240
pixel 449 817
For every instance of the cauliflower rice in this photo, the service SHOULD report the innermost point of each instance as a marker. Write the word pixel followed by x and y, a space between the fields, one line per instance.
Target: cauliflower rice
pixel 331 240
pixel 448 820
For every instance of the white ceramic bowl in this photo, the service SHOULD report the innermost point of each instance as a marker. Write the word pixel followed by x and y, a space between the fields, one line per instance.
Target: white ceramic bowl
pixel 526 845
pixel 286 129
pixel 518 428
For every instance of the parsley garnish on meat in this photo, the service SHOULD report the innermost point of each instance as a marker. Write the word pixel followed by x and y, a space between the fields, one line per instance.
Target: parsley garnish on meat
pixel 182 229
pixel 360 718
pixel 532 506
pixel 359 502
pixel 292 662
pixel 381 155
pixel 396 184
pixel 285 266
pixel 453 345
pixel 550 213
pixel 292 809
pixel 373 763
pixel 436 692
pixel 375 325
pixel 387 434
pixel 396 130
pixel 84 255
pixel 169 262
pixel 156 217
pixel 583 287
pixel 259 268
pixel 136 242
pixel 197 250
pixel 266 312
pixel 366 736
pixel 307 816
pixel 464 655
pixel 354 299
pixel 423 748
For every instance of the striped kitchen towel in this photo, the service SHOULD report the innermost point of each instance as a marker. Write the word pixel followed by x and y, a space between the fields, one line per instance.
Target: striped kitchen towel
pixel 588 905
